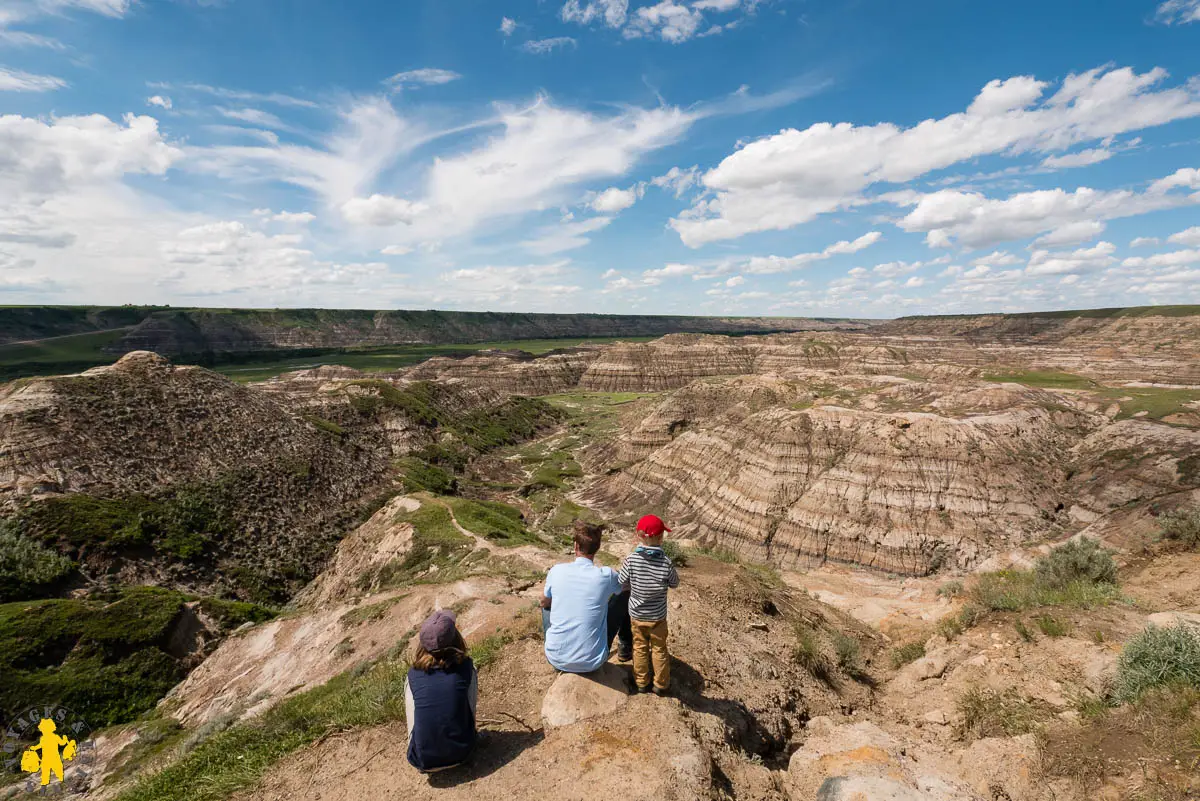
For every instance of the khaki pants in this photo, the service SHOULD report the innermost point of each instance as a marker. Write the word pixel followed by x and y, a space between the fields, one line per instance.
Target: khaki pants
pixel 650 646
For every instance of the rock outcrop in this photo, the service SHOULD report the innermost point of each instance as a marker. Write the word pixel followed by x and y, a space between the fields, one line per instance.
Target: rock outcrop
pixel 577 697
pixel 517 373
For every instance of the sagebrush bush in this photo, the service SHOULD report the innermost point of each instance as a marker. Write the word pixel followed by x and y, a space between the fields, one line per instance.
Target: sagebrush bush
pixel 1158 656
pixel 987 713
pixel 29 569
pixel 909 652
pixel 1081 560
pixel 1182 525
pixel 674 552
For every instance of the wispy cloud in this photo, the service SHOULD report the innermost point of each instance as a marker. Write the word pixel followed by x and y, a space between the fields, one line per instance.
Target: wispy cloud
pixel 428 76
pixel 542 46
pixel 275 98
pixel 17 81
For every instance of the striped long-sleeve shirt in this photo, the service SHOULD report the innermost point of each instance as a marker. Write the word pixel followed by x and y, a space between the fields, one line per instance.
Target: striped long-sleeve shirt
pixel 648 573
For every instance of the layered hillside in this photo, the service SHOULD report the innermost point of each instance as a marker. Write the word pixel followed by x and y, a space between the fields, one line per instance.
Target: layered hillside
pixel 144 467
pixel 201 331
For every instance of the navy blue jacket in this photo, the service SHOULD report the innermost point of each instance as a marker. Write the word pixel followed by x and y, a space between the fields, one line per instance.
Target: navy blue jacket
pixel 442 717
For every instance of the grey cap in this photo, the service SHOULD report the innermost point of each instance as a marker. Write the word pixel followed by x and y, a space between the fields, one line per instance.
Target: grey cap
pixel 438 631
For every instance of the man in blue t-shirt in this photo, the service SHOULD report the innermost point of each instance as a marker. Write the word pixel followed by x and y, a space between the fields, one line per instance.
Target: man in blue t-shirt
pixel 576 605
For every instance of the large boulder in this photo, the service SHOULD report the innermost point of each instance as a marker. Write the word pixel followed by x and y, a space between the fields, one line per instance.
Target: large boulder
pixel 579 696
pixel 856 761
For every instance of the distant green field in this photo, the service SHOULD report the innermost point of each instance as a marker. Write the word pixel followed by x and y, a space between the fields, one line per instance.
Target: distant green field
pixel 1047 379
pixel 64 354
pixel 1156 402
pixel 74 353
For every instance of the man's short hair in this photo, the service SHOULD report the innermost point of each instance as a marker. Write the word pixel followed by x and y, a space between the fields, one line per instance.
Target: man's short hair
pixel 587 537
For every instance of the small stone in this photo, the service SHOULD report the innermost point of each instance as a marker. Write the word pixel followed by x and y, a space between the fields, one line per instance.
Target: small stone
pixel 937 717
pixel 757 626
pixel 677 604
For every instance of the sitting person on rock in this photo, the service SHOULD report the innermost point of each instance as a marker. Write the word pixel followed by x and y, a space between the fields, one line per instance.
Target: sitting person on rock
pixel 649 573
pixel 583 608
pixel 440 696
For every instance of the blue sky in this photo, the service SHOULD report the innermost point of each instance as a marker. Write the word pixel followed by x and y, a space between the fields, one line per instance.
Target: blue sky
pixel 783 157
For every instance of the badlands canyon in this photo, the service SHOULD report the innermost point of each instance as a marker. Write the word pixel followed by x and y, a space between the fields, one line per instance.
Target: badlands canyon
pixel 919 560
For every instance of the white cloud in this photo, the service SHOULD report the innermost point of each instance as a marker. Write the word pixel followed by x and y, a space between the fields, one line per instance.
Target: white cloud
pixel 1145 241
pixel 791 177
pixel 717 5
pixel 1178 12
pixel 524 286
pixel 615 200
pixel 895 269
pixel 979 271
pixel 1044 262
pixel 381 210
pixel 427 76
pixel 1186 178
pixel 17 81
pixel 914 281
pixel 1175 259
pixel 1083 158
pixel 611 12
pixel 225 257
pixel 396 250
pixel 274 98
pixel 677 180
pixel 507 26
pixel 262 119
pixel 766 265
pixel 565 236
pixel 159 100
pixel 543 46
pixel 671 21
pixel 997 258
pixel 737 280
pixel 368 138
pixel 1074 233
pixel 973 220
pixel 540 155
pixel 1189 237
pixel 293 218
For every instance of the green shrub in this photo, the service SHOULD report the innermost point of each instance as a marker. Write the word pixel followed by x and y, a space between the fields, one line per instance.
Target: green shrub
pixel 674 552
pixel 1081 560
pixel 493 520
pixel 1051 626
pixel 1016 590
pixel 949 627
pixel 848 651
pixel 231 614
pixel 951 589
pixel 1182 526
pixel 421 476
pixel 28 569
pixel 105 659
pixel 808 655
pixel 909 652
pixel 181 523
pixel 1158 656
pixel 1023 630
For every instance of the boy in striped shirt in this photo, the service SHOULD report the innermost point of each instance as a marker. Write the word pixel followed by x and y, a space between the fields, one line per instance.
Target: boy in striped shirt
pixel 648 573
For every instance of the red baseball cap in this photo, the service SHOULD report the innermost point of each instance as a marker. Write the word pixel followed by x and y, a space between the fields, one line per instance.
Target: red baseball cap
pixel 651 526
